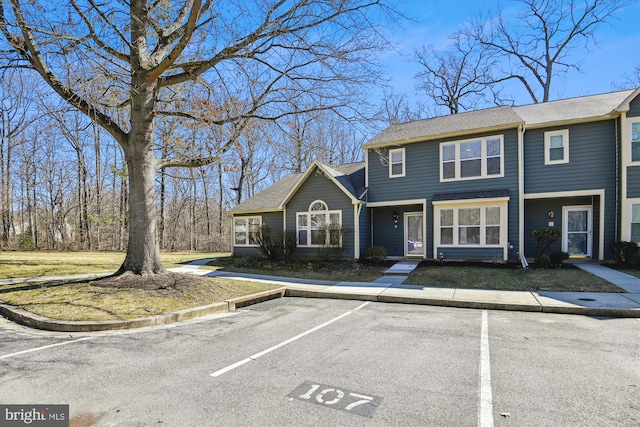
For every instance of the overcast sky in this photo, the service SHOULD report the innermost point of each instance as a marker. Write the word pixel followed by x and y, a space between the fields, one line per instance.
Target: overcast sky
pixel 618 49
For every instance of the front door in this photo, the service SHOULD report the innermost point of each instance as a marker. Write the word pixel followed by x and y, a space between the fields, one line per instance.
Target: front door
pixel 577 226
pixel 413 234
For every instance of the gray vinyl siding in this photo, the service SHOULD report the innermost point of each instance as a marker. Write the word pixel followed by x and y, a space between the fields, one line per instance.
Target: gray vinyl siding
pixel 633 181
pixel 365 231
pixel 272 219
pixel 422 181
pixel 592 166
pixel 319 187
pixel 592 159
pixel 384 233
pixel 422 177
pixel 634 107
pixel 537 217
pixel 472 254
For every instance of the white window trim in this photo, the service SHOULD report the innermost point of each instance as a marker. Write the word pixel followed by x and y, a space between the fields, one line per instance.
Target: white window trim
pixel 247 244
pixel 456 205
pixel 565 146
pixel 632 202
pixel 630 144
pixel 483 159
pixel 404 163
pixel 308 214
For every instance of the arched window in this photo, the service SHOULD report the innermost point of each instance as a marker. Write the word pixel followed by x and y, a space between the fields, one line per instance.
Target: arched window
pixel 319 226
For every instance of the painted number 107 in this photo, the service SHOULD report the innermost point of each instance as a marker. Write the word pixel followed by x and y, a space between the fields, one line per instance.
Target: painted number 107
pixel 334 396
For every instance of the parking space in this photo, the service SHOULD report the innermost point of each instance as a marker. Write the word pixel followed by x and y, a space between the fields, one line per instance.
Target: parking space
pixel 337 362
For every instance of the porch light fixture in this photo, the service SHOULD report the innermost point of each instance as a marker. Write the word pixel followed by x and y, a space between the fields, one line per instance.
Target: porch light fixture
pixel 551 214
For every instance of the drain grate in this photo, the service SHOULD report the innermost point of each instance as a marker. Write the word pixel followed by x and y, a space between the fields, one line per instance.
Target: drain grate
pixel 586 299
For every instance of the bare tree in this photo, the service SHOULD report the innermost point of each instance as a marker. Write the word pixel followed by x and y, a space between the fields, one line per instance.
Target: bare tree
pixel 395 109
pixel 266 53
pixel 536 45
pixel 460 78
pixel 16 100
pixel 631 80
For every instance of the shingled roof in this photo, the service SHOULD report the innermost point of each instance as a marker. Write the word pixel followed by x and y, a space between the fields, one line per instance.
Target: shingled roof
pixel 350 176
pixel 546 113
pixel 271 198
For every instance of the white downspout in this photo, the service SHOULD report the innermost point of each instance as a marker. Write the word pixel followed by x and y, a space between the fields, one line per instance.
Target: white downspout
pixel 521 131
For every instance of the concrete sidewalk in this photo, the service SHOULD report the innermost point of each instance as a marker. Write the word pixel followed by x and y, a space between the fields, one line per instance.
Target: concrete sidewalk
pixel 388 288
pixel 385 290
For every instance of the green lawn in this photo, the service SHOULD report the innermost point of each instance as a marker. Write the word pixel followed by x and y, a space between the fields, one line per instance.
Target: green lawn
pixel 500 277
pixel 50 263
pixel 84 301
pixel 532 279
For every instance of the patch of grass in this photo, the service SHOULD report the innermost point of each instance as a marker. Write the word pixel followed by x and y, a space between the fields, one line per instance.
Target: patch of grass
pixel 632 271
pixel 337 271
pixel 15 264
pixel 510 278
pixel 89 301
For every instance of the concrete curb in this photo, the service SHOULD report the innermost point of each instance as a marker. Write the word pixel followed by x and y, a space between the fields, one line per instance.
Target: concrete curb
pixel 26 318
pixel 484 305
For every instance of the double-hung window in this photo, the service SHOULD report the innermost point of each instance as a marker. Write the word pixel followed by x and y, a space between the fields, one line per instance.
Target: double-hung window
pixel 245 230
pixel 396 163
pixel 319 226
pixel 472 159
pixel 635 142
pixel 556 147
pixel 472 225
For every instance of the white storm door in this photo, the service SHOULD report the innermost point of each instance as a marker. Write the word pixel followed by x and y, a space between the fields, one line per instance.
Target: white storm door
pixel 413 234
pixel 578 231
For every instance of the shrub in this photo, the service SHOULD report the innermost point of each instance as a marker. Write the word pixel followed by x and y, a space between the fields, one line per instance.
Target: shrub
pixel 545 237
pixel 556 258
pixel 26 243
pixel 289 241
pixel 376 253
pixel 332 235
pixel 542 260
pixel 624 252
pixel 267 246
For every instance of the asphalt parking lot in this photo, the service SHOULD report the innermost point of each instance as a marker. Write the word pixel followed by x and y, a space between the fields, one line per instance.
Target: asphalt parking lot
pixel 316 362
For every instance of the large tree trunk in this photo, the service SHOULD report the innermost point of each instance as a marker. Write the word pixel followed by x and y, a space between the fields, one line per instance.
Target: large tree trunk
pixel 143 250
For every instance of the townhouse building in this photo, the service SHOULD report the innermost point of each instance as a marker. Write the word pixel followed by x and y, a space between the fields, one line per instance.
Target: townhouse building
pixel 470 186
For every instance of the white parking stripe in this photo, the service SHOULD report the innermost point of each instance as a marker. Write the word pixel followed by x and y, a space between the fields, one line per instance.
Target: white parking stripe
pixel 6 356
pixel 283 343
pixel 485 418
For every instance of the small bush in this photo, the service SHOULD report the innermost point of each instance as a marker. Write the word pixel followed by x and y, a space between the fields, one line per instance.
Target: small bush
pixel 376 253
pixel 26 243
pixel 545 237
pixel 557 258
pixel 289 243
pixel 542 260
pixel 239 262
pixel 624 252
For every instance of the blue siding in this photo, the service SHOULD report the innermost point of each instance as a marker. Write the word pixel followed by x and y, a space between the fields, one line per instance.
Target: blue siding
pixel 633 181
pixel 472 254
pixel 365 231
pixel 422 181
pixel 319 187
pixel 384 233
pixel 272 219
pixel 592 159
pixel 634 107
pixel 592 165
pixel 537 217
